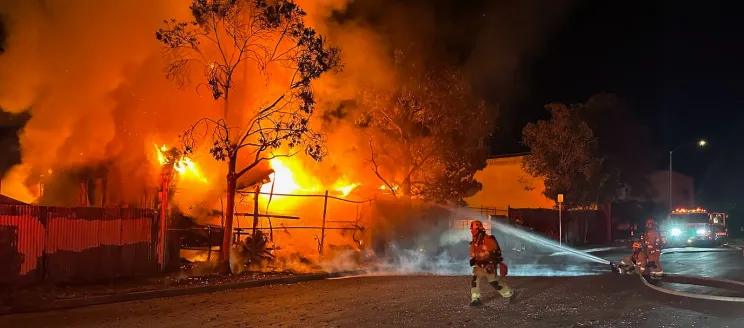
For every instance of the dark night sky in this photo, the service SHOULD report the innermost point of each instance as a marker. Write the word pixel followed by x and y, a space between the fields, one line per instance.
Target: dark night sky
pixel 680 66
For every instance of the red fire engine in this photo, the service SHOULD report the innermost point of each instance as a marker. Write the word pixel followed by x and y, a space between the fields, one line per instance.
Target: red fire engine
pixel 696 226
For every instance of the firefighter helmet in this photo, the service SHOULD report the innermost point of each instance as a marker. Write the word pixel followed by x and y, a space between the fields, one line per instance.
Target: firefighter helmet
pixel 476 226
pixel 650 223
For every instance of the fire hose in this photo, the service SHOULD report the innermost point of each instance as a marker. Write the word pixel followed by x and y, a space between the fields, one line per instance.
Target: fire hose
pixel 719 282
pixel 692 280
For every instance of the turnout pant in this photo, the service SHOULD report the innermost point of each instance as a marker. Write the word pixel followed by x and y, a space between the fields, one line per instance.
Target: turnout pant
pixel 629 263
pixel 649 258
pixel 493 279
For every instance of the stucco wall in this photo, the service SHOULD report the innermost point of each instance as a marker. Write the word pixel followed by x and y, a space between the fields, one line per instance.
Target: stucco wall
pixel 504 184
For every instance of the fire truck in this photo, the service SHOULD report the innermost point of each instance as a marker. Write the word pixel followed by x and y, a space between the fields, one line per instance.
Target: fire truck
pixel 688 227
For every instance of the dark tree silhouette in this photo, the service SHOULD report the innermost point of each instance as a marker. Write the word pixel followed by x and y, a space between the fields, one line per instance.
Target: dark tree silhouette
pixel 427 136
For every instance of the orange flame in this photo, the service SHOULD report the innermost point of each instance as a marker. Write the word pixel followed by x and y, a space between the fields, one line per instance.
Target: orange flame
pixel 183 165
pixel 347 189
pixel 291 179
pixel 384 187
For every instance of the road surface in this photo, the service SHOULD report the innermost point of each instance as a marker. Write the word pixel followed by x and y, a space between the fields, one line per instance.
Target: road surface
pixel 422 301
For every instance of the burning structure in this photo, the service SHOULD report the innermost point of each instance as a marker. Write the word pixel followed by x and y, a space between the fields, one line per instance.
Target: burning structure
pixel 101 100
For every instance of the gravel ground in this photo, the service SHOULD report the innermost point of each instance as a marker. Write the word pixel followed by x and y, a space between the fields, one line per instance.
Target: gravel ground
pixel 411 301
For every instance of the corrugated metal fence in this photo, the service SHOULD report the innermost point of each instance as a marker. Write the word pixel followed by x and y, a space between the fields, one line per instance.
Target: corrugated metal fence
pixel 54 244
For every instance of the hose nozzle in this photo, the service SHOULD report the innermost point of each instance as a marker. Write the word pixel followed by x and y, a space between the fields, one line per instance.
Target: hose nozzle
pixel 614 267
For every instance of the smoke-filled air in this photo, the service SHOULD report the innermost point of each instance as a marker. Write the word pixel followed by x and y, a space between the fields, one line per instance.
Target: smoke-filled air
pixel 125 104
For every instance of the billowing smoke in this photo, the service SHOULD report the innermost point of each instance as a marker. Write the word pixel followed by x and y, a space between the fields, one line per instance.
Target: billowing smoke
pixel 92 74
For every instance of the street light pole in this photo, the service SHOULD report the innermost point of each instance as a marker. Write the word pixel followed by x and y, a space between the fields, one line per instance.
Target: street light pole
pixel 670 180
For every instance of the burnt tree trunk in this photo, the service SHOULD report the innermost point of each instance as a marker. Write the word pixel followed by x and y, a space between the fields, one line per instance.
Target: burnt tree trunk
pixel 229 213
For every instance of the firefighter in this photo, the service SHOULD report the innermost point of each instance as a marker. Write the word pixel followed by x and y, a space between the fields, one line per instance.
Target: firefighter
pixel 628 264
pixel 485 256
pixel 652 241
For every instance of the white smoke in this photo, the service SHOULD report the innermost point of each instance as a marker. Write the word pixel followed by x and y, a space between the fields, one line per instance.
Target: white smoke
pixel 440 251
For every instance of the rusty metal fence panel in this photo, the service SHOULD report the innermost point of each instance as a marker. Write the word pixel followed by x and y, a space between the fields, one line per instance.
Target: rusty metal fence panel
pixel 23 244
pixel 55 244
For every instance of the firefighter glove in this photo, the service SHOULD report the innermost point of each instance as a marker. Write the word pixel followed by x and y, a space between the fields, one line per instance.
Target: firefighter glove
pixel 472 261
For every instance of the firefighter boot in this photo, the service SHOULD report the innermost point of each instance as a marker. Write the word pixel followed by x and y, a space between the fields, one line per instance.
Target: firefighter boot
pixel 655 268
pixel 501 286
pixel 475 292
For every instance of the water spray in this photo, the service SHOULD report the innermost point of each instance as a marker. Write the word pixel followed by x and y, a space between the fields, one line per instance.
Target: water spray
pixel 547 243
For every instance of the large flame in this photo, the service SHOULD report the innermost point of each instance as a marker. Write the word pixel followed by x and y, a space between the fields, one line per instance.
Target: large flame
pixel 290 178
pixel 282 180
pixel 184 165
pixel 346 189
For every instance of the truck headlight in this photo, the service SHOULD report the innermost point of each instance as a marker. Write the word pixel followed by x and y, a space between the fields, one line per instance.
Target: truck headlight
pixel 676 232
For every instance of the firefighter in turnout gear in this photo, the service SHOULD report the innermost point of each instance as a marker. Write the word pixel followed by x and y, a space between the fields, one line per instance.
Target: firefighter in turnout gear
pixel 628 264
pixel 485 256
pixel 652 241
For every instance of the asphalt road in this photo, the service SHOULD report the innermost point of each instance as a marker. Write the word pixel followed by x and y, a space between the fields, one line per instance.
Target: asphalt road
pixel 426 301
pixel 726 263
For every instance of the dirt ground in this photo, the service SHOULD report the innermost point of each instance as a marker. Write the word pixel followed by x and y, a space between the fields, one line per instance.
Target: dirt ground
pixel 410 301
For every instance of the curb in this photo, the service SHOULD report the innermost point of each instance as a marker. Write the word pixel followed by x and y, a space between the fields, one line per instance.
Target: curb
pixel 72 303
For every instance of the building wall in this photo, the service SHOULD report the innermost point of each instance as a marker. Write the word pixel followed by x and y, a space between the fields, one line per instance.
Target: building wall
pixel 504 184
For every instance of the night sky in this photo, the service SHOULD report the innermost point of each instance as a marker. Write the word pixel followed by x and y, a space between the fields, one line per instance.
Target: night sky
pixel 679 65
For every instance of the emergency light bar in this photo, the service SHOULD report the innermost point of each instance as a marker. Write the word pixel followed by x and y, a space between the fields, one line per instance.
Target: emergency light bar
pixel 684 210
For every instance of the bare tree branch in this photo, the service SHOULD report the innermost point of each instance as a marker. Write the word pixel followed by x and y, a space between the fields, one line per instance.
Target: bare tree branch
pixel 376 170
